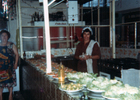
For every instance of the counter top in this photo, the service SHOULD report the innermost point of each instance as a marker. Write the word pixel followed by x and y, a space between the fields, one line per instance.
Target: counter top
pixel 63 58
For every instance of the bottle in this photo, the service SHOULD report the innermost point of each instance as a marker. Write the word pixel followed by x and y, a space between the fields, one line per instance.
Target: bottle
pixel 82 97
pixel 61 74
pixel 35 16
pixel 32 18
pixel 24 55
pixel 38 19
pixel 86 95
pixel 41 17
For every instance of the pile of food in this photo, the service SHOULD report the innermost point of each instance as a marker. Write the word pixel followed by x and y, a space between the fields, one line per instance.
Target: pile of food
pixel 110 88
pixel 71 87
pixel 122 92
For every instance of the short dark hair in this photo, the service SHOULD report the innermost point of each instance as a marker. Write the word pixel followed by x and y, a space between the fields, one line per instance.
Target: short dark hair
pixel 87 30
pixel 4 31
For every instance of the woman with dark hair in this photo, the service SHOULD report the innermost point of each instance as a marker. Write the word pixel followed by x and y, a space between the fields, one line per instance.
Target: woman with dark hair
pixel 87 52
pixel 8 63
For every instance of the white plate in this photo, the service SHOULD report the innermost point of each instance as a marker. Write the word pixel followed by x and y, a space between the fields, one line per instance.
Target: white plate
pixel 73 80
pixel 61 89
pixel 55 78
pixel 51 75
pixel 70 90
pixel 96 97
pixel 96 91
pixel 84 85
pixel 108 98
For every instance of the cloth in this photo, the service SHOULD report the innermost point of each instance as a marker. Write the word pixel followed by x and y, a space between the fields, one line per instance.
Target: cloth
pixel 131 76
pixel 87 28
pixel 6 65
pixel 81 48
pixel 89 52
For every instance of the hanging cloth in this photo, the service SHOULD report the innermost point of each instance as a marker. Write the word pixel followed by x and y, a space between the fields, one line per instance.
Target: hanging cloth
pixel 17 39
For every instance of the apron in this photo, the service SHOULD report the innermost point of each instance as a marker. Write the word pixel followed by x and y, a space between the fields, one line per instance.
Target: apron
pixel 89 52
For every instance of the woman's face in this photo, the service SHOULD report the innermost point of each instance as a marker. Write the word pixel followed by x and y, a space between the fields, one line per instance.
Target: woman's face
pixel 4 37
pixel 86 36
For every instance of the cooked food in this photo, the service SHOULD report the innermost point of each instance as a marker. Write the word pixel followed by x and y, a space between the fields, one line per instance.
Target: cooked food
pixel 71 87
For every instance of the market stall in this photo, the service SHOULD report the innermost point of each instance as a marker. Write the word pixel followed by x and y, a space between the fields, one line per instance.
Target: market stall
pixel 46 86
pixel 36 81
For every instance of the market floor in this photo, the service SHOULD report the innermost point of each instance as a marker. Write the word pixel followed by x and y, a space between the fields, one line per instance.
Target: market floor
pixel 16 96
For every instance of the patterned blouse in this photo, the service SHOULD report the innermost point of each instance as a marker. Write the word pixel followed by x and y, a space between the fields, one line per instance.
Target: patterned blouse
pixel 7 60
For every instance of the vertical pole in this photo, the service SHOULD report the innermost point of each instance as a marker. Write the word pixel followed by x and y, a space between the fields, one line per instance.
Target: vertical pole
pixel 91 12
pixel 110 23
pixel 127 36
pixel 99 21
pixel 17 14
pixel 113 28
pixel 9 22
pixel 96 34
pixel 20 28
pixel 71 37
pixel 135 35
pixel 82 13
pixel 47 36
pixel 67 35
pixel 44 38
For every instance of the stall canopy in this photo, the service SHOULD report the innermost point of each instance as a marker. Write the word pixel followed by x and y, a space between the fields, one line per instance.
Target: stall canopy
pixel 79 1
pixel 83 1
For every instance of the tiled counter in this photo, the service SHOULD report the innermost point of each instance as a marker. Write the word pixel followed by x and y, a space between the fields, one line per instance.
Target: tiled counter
pixel 35 85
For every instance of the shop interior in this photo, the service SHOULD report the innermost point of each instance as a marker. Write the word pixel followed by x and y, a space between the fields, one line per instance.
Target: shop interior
pixel 52 37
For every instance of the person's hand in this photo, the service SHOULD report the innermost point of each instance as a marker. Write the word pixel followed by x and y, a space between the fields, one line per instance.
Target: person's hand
pixel 82 58
pixel 15 66
pixel 87 57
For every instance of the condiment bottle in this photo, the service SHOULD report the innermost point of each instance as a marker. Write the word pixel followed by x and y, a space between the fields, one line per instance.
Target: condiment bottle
pixel 24 55
pixel 61 74
pixel 82 97
pixel 86 96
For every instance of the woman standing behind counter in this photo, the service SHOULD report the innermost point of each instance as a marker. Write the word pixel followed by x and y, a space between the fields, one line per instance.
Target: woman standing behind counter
pixel 87 52
pixel 8 63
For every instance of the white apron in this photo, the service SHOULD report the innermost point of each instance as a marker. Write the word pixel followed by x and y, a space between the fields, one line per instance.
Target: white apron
pixel 89 52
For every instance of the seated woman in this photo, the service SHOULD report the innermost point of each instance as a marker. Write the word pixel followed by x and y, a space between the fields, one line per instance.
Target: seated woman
pixel 87 52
